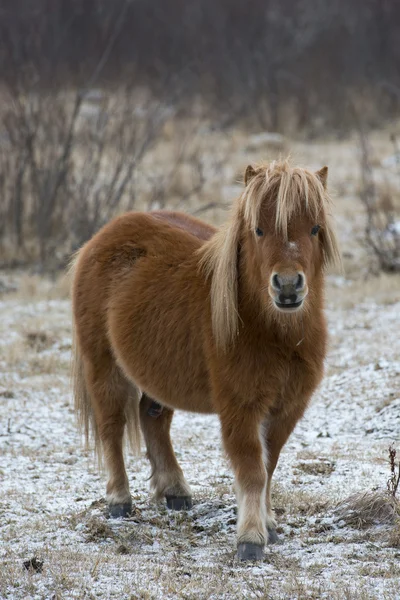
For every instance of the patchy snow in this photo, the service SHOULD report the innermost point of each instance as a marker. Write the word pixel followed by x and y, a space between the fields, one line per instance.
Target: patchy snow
pixel 391 161
pixel 52 503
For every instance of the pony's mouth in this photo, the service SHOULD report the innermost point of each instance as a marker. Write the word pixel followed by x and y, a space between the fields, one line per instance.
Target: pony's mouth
pixel 288 306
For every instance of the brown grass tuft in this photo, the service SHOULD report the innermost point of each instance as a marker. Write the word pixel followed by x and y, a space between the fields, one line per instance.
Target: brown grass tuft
pixel 97 529
pixel 362 510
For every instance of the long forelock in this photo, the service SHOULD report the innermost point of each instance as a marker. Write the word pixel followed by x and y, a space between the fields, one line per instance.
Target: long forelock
pixel 294 191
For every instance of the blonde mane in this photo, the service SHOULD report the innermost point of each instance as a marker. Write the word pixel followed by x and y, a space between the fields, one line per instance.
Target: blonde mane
pixel 295 190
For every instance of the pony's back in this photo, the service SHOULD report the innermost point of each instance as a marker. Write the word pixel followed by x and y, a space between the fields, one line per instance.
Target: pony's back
pixel 203 231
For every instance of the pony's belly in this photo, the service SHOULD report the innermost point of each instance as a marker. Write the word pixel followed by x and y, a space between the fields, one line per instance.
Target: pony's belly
pixel 170 382
pixel 195 402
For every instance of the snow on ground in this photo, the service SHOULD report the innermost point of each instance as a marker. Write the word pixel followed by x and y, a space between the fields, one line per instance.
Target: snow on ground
pixel 52 496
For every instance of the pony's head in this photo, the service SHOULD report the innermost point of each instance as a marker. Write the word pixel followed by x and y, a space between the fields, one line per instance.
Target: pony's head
pixel 277 243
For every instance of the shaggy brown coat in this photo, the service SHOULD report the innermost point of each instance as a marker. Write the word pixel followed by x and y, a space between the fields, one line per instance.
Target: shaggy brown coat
pixel 168 308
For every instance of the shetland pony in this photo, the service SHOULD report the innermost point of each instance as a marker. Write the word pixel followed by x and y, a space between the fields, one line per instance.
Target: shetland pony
pixel 171 313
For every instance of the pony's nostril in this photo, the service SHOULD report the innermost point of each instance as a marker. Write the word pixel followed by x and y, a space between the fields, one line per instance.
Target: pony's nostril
pixel 300 282
pixel 275 282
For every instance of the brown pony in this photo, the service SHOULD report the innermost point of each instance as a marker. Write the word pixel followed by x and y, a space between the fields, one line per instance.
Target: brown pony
pixel 171 313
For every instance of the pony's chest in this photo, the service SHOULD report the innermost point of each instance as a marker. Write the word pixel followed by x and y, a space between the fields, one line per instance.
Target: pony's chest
pixel 279 372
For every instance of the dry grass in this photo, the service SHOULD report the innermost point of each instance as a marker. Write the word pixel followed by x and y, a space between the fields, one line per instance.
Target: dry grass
pixel 362 510
pixel 24 287
pixel 394 536
pixel 315 467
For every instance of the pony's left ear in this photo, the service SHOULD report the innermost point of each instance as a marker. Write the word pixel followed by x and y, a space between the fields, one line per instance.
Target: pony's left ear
pixel 322 175
pixel 249 174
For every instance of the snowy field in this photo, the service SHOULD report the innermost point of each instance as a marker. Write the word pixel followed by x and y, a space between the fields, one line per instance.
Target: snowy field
pixel 52 505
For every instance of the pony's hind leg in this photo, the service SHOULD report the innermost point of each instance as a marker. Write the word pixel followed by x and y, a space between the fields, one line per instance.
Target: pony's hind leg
pixel 167 478
pixel 109 392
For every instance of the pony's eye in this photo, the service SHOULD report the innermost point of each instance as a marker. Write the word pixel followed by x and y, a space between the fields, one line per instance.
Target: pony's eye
pixel 315 229
pixel 259 231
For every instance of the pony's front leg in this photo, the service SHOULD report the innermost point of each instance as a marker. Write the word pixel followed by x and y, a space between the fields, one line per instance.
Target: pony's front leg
pixel 242 441
pixel 277 429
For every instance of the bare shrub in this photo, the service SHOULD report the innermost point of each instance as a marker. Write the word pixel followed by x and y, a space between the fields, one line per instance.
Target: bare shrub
pixel 70 161
pixel 67 166
pixel 382 232
pixel 73 157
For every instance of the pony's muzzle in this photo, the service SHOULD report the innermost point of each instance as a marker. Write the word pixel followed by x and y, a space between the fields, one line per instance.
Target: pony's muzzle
pixel 288 290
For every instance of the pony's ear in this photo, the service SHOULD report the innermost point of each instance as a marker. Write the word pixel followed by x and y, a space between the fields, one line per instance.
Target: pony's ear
pixel 249 174
pixel 322 175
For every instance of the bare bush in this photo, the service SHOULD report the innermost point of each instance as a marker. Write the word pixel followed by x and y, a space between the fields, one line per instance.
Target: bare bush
pixel 68 166
pixel 382 232
pixel 72 157
pixel 70 161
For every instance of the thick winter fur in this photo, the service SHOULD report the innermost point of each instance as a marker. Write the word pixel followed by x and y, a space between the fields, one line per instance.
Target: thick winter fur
pixel 167 305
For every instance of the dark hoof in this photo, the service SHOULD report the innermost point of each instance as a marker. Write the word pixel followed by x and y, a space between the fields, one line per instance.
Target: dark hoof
pixel 272 536
pixel 120 511
pixel 250 551
pixel 179 502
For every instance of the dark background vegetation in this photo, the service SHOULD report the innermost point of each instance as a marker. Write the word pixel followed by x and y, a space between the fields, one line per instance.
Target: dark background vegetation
pixel 247 58
pixel 87 88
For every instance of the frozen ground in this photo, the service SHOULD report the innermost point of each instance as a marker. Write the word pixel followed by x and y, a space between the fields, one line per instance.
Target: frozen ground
pixel 52 505
pixel 52 495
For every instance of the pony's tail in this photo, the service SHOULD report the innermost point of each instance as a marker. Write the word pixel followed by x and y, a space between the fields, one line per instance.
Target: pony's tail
pixel 83 404
pixel 132 416
pixel 82 401
pixel 84 410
